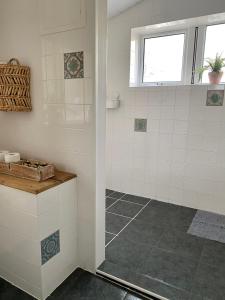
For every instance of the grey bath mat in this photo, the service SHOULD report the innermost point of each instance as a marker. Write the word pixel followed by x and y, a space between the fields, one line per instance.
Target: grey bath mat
pixel 208 225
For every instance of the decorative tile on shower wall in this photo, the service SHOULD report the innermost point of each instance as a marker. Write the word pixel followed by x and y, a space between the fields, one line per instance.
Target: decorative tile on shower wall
pixel 50 246
pixel 215 97
pixel 74 65
pixel 140 125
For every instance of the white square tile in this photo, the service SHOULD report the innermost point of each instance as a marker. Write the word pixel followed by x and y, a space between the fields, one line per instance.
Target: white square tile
pixel 74 91
pixel 74 116
pixel 55 91
pixel 54 67
pixel 166 126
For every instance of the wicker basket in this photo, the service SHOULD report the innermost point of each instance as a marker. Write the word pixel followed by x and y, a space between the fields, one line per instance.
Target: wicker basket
pixel 14 87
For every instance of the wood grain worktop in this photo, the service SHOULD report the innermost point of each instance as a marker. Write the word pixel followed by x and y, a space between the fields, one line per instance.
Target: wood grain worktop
pixel 35 187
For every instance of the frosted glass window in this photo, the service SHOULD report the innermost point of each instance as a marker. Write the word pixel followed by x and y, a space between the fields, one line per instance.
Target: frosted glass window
pixel 163 58
pixel 214 43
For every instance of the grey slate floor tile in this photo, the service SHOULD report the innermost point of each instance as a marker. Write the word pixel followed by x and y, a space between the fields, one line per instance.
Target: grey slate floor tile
pixel 175 270
pixel 108 237
pixel 131 297
pixel 126 253
pixel 167 215
pixel 156 253
pixel 114 223
pixel 117 195
pixel 136 199
pixel 180 242
pixel 108 192
pixel 209 282
pixel 126 209
pixel 141 233
pixel 213 254
pixel 145 282
pixel 109 201
pixel 80 285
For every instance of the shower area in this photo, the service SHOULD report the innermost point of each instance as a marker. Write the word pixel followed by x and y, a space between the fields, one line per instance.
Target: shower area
pixel 165 165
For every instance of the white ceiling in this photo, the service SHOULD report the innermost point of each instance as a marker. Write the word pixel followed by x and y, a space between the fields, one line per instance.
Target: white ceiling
pixel 115 7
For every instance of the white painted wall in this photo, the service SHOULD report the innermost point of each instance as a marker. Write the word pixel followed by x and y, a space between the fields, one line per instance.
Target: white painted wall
pixel 61 128
pixel 181 157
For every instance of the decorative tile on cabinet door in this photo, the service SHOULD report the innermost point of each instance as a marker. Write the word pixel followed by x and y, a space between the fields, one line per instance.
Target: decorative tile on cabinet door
pixel 50 246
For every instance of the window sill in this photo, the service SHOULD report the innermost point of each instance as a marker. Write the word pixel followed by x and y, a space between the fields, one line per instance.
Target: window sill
pixel 213 86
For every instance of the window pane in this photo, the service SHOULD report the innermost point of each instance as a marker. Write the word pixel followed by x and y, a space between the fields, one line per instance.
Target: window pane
pixel 163 58
pixel 215 43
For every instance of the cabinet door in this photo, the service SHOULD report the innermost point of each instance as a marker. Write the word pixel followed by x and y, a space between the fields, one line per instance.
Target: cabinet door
pixel 61 15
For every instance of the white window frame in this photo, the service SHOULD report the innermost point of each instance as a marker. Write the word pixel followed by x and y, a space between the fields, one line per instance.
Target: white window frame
pixel 200 55
pixel 142 56
pixel 194 48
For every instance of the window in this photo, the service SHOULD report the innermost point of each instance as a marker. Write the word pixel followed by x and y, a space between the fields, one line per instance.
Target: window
pixel 171 53
pixel 161 65
pixel 214 43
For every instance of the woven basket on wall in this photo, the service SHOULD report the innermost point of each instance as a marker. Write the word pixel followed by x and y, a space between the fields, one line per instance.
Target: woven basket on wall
pixel 14 87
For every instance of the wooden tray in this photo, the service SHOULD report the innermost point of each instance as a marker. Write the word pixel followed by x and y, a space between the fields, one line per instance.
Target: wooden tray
pixel 29 169
pixel 4 167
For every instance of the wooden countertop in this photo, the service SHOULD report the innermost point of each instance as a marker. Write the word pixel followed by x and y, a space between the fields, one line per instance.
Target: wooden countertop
pixel 35 187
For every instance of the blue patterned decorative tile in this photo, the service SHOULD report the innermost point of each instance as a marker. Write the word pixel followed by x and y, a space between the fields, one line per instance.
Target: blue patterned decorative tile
pixel 140 125
pixel 50 246
pixel 74 65
pixel 215 98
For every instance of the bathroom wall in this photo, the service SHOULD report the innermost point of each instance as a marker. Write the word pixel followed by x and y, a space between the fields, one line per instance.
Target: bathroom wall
pixel 61 127
pixel 180 159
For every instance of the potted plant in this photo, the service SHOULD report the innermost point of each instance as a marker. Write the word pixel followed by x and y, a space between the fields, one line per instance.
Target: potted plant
pixel 215 66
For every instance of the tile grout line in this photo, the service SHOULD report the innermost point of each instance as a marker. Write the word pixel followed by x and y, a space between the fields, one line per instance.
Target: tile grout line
pixel 114 202
pixel 131 202
pixel 110 232
pixel 129 222
pixel 108 212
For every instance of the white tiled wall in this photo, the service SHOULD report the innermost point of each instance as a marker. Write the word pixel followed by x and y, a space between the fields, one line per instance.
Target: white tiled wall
pixel 180 159
pixel 61 127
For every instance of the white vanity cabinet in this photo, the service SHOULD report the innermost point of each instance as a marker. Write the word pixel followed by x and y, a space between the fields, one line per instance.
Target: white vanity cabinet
pixel 38 232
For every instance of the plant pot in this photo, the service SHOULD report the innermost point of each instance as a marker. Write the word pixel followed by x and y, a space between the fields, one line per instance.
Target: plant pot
pixel 215 77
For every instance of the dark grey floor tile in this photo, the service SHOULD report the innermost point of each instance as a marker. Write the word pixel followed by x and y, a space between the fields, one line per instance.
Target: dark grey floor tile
pixel 117 195
pixel 195 296
pixel 213 254
pixel 109 201
pixel 90 287
pixel 143 233
pixel 114 223
pixel 162 289
pixel 132 297
pixel 116 270
pixel 183 218
pixel 153 286
pixel 108 192
pixel 108 237
pixel 126 209
pixel 167 215
pixel 209 282
pixel 68 284
pixel 10 292
pixel 136 199
pixel 14 293
pixel 157 212
pixel 179 242
pixel 126 253
pixel 173 269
